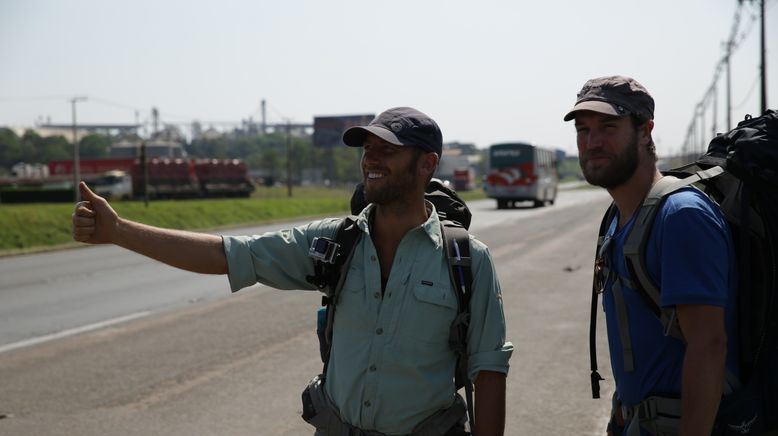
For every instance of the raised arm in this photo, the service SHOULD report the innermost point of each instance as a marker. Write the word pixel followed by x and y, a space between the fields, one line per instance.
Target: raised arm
pixel 95 222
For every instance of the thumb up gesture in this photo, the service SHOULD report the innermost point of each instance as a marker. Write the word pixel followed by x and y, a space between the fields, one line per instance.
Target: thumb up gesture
pixel 94 220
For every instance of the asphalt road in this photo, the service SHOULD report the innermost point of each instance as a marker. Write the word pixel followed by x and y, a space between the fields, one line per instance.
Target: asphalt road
pixel 99 341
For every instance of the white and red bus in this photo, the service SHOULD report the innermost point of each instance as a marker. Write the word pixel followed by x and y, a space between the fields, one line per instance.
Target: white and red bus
pixel 521 172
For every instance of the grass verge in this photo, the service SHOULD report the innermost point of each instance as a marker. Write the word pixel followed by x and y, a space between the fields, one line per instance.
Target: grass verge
pixel 43 226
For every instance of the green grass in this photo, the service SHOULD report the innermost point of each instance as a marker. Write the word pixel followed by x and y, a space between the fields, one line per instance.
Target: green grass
pixel 40 226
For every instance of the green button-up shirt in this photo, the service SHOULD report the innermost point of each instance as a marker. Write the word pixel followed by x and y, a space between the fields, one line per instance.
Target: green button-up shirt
pixel 390 364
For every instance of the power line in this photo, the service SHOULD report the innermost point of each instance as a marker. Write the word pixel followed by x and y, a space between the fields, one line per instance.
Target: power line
pixel 36 98
pixel 736 38
pixel 113 103
pixel 748 95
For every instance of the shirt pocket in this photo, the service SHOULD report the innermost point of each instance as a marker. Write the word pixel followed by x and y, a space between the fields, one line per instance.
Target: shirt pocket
pixel 429 314
pixel 355 279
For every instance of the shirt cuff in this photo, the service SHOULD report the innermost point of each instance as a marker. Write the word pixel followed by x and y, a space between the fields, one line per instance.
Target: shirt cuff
pixel 240 269
pixel 496 361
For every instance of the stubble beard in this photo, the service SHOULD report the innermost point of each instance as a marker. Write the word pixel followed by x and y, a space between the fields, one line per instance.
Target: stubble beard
pixel 392 190
pixel 618 171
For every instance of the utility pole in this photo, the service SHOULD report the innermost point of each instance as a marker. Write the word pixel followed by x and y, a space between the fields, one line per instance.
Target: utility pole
pixel 714 125
pixel 76 157
pixel 155 118
pixel 763 67
pixel 288 159
pixel 264 118
pixel 763 54
pixel 701 131
pixel 729 87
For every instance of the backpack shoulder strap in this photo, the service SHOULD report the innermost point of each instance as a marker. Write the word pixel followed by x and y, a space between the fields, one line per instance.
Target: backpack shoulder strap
pixel 347 236
pixel 456 243
pixel 637 240
pixel 598 282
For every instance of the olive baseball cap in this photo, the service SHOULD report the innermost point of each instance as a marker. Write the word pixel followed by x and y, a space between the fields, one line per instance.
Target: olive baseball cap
pixel 614 95
pixel 404 126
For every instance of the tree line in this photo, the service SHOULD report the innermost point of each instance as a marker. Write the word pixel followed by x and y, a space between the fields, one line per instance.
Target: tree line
pixel 266 153
pixel 30 147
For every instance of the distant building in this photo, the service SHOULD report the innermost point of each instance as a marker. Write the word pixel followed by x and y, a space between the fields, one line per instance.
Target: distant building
pixel 457 156
pixel 82 130
pixel 154 148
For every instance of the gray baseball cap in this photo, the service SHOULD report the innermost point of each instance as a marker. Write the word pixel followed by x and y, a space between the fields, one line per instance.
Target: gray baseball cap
pixel 400 126
pixel 614 95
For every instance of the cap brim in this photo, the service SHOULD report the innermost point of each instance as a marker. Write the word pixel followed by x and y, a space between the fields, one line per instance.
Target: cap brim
pixel 594 106
pixel 355 136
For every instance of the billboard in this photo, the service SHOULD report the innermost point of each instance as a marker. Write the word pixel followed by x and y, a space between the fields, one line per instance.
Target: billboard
pixel 328 131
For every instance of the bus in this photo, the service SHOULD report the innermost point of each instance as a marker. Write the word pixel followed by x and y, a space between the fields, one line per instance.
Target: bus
pixel 521 172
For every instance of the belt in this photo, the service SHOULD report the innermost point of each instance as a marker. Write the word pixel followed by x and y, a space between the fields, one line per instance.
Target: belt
pixel 319 411
pixel 659 416
pixel 653 407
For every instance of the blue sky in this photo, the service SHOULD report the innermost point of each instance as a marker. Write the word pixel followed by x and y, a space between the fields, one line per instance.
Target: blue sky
pixel 487 71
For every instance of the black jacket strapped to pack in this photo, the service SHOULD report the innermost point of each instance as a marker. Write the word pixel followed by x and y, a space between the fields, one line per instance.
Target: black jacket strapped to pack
pixel 332 263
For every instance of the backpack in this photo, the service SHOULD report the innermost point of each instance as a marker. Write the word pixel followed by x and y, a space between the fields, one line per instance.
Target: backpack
pixel 739 172
pixel 331 266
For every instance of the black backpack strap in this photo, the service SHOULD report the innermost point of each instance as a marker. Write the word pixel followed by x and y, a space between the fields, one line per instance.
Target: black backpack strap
pixel 598 284
pixel 333 276
pixel 456 242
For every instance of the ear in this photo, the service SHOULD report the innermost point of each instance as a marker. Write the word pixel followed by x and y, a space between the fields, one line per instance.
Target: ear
pixel 645 132
pixel 429 162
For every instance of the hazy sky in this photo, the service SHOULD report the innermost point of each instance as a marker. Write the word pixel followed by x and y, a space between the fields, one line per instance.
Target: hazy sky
pixel 487 71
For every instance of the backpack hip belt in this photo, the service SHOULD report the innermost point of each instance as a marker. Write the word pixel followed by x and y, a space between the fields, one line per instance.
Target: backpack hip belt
pixel 659 416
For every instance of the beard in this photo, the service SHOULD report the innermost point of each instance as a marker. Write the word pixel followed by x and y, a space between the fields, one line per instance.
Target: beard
pixel 394 187
pixel 617 172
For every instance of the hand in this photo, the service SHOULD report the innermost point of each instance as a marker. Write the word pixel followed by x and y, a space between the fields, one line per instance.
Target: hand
pixel 94 220
pixel 616 423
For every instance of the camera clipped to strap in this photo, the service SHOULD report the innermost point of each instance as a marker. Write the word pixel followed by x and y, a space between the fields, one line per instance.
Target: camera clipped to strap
pixel 324 250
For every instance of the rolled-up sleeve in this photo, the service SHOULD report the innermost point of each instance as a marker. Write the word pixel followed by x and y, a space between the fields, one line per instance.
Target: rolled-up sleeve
pixel 278 259
pixel 487 348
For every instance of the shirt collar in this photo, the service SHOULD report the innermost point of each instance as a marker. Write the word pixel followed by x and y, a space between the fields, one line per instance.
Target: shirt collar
pixel 431 226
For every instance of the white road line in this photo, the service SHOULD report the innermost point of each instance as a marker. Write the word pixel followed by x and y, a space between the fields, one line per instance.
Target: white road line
pixel 71 332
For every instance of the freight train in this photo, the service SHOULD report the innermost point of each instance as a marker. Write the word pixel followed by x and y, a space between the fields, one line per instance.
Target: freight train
pixel 164 177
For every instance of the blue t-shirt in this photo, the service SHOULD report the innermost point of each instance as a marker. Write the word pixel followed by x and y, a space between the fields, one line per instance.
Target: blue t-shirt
pixel 690 256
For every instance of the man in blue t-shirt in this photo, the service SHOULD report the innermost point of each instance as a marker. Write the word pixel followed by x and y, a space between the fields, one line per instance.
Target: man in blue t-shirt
pixel 663 385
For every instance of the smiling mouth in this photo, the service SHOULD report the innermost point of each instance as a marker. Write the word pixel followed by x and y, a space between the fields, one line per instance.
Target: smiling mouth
pixel 371 175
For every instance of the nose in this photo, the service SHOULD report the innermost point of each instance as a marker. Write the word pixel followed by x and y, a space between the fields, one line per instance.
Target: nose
pixel 370 156
pixel 590 139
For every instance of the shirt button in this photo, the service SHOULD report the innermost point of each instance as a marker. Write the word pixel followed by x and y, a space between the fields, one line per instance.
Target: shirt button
pixel 367 403
pixel 379 331
pixel 372 258
pixel 372 368
pixel 377 295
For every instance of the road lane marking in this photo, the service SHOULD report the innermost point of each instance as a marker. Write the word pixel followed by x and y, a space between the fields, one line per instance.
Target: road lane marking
pixel 71 332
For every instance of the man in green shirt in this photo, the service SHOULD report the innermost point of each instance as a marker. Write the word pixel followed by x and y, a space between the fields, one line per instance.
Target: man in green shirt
pixel 390 365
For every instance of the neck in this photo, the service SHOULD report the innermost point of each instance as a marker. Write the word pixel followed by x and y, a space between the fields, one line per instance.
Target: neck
pixel 394 220
pixel 630 195
pixel 390 224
